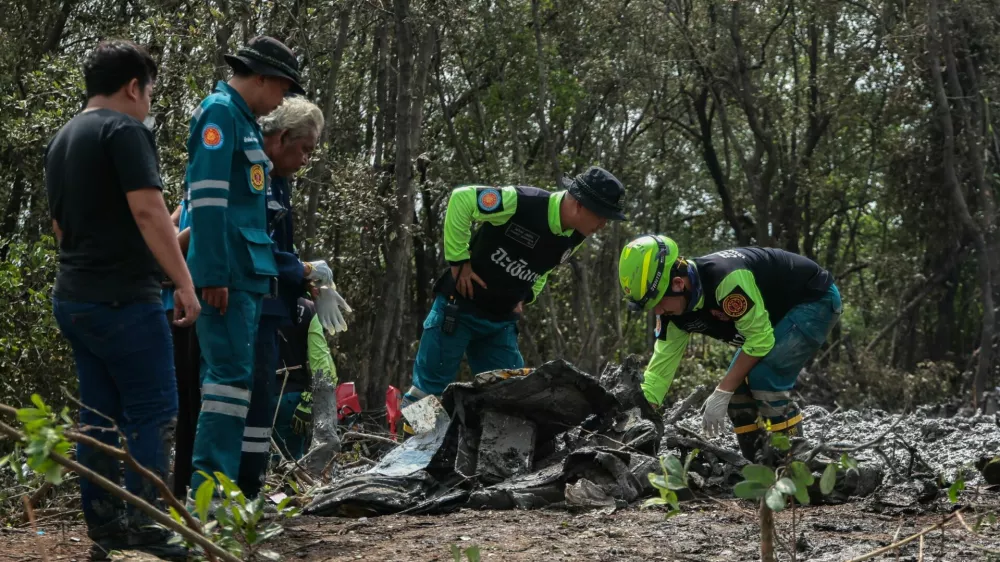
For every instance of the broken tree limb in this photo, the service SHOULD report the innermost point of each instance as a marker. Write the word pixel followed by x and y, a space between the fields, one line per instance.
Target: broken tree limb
pixel 115 490
pixel 677 412
pixel 699 443
pixel 908 539
pixel 364 436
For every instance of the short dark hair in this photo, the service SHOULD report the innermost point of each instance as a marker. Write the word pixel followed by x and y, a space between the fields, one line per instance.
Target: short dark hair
pixel 113 64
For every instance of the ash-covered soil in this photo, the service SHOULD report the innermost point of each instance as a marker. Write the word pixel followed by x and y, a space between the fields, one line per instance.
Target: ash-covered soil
pixel 722 530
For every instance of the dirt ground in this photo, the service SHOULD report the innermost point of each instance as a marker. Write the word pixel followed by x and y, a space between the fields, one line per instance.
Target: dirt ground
pixel 723 530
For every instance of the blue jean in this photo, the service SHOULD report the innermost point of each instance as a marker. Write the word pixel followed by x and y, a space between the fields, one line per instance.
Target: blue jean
pixel 489 345
pixel 766 392
pixel 125 366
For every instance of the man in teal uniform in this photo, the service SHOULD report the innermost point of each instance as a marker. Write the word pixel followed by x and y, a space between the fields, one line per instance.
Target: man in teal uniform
pixel 230 254
pixel 776 306
pixel 526 232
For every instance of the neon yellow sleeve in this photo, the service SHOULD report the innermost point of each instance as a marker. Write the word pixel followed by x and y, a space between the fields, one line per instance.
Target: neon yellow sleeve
pixel 320 360
pixel 469 203
pixel 741 300
pixel 667 354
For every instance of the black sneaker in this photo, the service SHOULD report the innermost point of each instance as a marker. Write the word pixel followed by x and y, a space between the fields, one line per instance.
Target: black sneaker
pixel 157 541
pixel 107 537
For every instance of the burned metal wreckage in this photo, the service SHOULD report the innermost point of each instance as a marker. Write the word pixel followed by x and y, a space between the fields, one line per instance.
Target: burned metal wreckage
pixel 557 437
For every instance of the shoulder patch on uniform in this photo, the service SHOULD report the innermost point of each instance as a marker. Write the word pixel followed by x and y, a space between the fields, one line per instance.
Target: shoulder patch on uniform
pixel 489 199
pixel 211 136
pixel 257 177
pixel 737 303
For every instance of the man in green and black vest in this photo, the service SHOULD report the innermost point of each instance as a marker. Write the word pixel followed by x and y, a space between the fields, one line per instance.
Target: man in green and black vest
pixel 776 306
pixel 526 232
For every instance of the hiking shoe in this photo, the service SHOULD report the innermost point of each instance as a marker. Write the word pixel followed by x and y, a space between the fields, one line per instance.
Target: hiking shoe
pixel 158 542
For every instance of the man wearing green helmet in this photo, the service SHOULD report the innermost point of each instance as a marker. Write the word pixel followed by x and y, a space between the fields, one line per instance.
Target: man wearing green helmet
pixel 776 306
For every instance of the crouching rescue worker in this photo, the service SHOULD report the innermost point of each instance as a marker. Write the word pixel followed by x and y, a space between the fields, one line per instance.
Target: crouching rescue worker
pixel 230 252
pixel 305 359
pixel 776 306
pixel 526 232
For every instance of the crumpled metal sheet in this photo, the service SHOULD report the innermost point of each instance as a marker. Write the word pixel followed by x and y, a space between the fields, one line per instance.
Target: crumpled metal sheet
pixel 582 438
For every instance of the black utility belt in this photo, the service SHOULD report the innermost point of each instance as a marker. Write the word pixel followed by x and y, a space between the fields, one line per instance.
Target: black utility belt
pixel 457 305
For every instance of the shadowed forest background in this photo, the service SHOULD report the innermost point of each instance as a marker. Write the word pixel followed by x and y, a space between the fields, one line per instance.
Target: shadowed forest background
pixel 859 133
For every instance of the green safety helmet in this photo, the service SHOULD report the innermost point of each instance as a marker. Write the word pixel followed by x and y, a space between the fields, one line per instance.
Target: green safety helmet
pixel 643 264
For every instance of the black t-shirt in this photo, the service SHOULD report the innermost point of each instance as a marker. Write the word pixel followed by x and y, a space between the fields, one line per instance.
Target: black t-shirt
pixel 90 165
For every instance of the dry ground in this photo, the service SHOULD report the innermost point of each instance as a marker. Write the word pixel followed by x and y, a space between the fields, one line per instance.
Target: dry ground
pixel 706 531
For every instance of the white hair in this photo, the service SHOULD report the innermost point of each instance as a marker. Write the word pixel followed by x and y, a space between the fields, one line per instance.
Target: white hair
pixel 297 115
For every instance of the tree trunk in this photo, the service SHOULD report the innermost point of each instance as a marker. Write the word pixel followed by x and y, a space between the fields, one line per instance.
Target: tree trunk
pixel 223 32
pixel 318 176
pixel 767 532
pixel 948 165
pixel 543 94
pixel 413 57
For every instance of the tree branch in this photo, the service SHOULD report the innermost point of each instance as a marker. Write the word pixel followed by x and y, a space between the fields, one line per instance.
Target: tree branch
pixel 155 514
pixel 908 539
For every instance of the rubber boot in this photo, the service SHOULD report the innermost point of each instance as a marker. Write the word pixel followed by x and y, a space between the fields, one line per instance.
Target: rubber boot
pixel 750 444
pixel 769 456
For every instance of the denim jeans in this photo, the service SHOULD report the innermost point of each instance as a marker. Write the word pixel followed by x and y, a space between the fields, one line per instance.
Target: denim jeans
pixel 766 392
pixel 125 366
pixel 488 345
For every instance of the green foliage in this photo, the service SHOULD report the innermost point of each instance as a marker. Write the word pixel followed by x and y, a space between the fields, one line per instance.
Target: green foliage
pixel 844 152
pixel 870 383
pixel 44 435
pixel 34 356
pixel 471 554
pixel 673 478
pixel 791 480
pixel 232 521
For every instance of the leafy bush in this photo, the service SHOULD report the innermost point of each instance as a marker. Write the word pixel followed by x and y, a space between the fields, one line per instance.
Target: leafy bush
pixel 34 357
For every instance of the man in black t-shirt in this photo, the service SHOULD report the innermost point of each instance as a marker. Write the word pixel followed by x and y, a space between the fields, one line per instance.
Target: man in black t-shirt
pixel 115 235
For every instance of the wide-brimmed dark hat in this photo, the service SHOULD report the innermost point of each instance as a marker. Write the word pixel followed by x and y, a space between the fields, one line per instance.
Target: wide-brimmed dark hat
pixel 269 57
pixel 598 190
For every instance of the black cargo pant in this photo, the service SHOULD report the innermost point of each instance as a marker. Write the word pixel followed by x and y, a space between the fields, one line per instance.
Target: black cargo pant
pixel 187 363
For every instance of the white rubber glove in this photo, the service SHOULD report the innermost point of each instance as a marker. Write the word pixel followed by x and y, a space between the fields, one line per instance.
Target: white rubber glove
pixel 320 272
pixel 713 420
pixel 330 308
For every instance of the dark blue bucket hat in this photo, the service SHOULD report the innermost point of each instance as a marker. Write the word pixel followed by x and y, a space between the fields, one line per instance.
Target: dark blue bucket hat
pixel 599 191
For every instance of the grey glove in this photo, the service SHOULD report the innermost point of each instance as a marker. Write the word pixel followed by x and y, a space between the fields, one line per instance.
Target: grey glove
pixel 713 421
pixel 329 306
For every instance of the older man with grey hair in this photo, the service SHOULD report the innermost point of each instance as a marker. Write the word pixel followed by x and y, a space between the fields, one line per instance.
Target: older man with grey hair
pixel 291 133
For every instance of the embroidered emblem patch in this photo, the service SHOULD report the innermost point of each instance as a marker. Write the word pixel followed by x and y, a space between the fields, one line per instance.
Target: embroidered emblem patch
pixel 735 305
pixel 257 177
pixel 211 136
pixel 490 200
